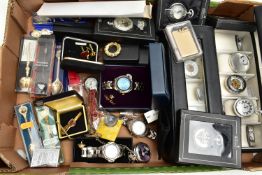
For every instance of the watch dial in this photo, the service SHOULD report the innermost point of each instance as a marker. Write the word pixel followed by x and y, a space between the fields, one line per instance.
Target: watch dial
pixel 111 151
pixel 91 84
pixel 123 83
pixel 235 84
pixel 138 128
pixel 239 63
pixel 177 11
pixel 244 107
pixel 191 68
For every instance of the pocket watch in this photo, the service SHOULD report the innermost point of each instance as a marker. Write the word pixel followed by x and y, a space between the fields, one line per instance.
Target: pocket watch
pixel 178 11
pixel 191 69
pixel 235 84
pixel 138 128
pixel 244 107
pixel 91 83
pixel 109 151
pixel 123 84
pixel 122 24
pixel 239 62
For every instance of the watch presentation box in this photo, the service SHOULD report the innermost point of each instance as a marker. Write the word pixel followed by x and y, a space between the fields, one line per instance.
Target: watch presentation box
pixel 240 78
pixel 129 54
pixel 28 49
pixel 209 139
pixel 79 54
pixel 28 128
pixel 172 11
pixel 159 75
pixel 190 89
pixel 125 88
pixel 124 28
pixel 42 69
pixel 70 113
pixel 79 156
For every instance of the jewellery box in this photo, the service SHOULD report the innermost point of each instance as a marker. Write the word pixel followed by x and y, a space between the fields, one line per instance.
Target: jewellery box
pixel 239 62
pixel 98 157
pixel 172 11
pixel 210 139
pixel 129 54
pixel 81 55
pixel 28 47
pixel 194 87
pixel 70 113
pixel 125 28
pixel 125 88
pixel 159 76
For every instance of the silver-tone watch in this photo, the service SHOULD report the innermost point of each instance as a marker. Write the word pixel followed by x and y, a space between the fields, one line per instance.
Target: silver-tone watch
pixel 123 84
pixel 122 24
pixel 178 11
pixel 239 62
pixel 109 151
pixel 138 128
pixel 191 69
pixel 244 107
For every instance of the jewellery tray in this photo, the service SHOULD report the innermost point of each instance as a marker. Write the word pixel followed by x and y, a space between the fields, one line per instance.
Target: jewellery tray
pixel 91 141
pixel 72 61
pixel 23 58
pixel 218 144
pixel 168 143
pixel 225 44
pixel 105 31
pixel 200 8
pixel 67 106
pixel 134 100
pixel 28 130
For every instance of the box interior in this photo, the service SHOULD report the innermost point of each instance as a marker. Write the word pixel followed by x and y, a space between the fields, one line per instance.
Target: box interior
pixel 18 22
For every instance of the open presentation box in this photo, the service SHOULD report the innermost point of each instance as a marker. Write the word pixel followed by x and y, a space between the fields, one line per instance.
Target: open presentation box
pixel 18 24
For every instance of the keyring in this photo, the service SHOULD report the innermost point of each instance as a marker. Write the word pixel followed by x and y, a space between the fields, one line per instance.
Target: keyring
pixel 116 46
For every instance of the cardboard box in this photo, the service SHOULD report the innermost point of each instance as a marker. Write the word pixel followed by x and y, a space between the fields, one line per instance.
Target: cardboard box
pixel 16 26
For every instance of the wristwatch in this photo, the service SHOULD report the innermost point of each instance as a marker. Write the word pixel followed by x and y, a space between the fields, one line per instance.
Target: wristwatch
pixel 244 107
pixel 178 11
pixel 123 84
pixel 110 151
pixel 235 84
pixel 142 152
pixel 239 62
pixel 122 24
pixel 138 128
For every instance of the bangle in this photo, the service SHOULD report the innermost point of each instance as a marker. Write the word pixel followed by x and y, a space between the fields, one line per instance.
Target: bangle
pixel 109 46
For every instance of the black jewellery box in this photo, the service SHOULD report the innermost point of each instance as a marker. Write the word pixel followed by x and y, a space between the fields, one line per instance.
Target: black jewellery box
pixel 123 28
pixel 125 88
pixel 172 11
pixel 79 54
pixel 70 114
pixel 237 44
pixel 209 139
pixel 195 88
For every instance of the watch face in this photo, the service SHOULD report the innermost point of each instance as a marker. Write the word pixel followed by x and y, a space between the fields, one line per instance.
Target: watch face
pixel 123 83
pixel 177 11
pixel 111 151
pixel 239 63
pixel 110 120
pixel 142 152
pixel 138 128
pixel 123 24
pixel 191 69
pixel 91 84
pixel 235 84
pixel 244 107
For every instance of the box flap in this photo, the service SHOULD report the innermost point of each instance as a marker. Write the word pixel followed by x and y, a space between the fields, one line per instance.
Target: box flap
pixel 65 103
pixel 19 16
pixel 7 134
